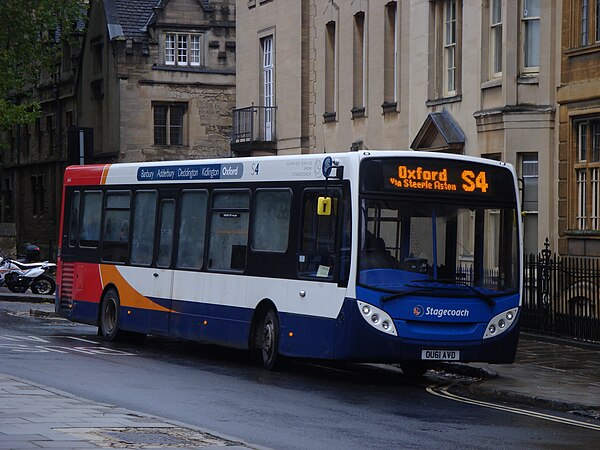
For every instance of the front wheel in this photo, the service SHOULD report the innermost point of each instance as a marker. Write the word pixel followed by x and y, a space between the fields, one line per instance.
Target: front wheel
pixel 43 285
pixel 109 315
pixel 269 341
pixel 15 284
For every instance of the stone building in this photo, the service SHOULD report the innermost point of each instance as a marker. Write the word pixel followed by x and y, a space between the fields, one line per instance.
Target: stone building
pixel 153 80
pixel 579 130
pixel 465 76
pixel 158 79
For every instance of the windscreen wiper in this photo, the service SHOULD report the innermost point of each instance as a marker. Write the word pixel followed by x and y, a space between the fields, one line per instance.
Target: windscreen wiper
pixel 397 295
pixel 486 298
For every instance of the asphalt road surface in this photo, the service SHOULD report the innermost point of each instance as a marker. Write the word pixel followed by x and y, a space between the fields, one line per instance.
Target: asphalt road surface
pixel 307 406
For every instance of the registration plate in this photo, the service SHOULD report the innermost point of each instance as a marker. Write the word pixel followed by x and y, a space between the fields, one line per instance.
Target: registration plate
pixel 440 355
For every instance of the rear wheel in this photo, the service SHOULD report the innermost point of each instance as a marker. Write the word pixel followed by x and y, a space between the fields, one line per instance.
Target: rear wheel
pixel 269 341
pixel 43 285
pixel 109 315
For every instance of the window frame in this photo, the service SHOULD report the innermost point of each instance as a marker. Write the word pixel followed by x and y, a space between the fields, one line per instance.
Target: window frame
pixel 359 64
pixel 526 23
pixel 331 71
pixel 168 128
pixel 450 47
pixel 496 38
pixel 391 50
pixel 184 49
pixel 586 173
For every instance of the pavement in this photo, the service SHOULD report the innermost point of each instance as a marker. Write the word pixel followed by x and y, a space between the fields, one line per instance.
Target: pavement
pixel 550 374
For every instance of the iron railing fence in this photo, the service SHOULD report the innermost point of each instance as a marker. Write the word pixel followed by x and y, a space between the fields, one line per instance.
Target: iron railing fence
pixel 253 124
pixel 561 296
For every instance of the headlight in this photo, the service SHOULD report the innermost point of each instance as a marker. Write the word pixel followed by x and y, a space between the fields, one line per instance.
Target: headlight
pixel 500 323
pixel 377 318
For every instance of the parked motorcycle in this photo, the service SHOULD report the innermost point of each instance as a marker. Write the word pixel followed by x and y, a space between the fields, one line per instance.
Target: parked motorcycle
pixel 18 276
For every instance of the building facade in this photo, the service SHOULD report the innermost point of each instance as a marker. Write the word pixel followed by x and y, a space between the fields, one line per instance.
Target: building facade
pixel 578 97
pixel 472 77
pixel 158 80
pixel 153 80
pixel 31 168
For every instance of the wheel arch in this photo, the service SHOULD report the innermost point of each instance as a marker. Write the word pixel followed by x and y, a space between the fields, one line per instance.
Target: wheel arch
pixel 259 312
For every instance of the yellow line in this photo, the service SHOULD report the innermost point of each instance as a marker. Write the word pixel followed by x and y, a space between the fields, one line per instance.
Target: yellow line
pixel 443 392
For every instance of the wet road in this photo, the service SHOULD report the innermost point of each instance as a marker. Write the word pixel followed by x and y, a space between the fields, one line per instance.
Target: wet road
pixel 307 406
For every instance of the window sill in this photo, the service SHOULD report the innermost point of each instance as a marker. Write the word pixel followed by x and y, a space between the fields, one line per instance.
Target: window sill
pixel 444 100
pixel 358 113
pixel 166 146
pixel 389 107
pixel 329 117
pixel 494 82
pixel 196 69
pixel 582 234
pixel 592 48
pixel 525 78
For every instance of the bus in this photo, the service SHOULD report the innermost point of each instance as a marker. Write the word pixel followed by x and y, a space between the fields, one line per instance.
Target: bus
pixel 400 257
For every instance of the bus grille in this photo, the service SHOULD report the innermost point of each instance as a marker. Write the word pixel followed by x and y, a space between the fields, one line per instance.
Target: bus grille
pixel 66 286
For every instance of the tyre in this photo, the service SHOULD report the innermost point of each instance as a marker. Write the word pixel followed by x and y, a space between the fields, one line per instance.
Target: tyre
pixel 43 285
pixel 15 284
pixel 269 341
pixel 108 325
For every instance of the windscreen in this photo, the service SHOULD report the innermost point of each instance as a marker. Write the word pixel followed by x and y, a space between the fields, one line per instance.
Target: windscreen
pixel 426 241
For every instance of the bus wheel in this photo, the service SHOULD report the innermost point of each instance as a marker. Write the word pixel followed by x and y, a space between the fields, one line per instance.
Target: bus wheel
pixel 414 369
pixel 269 340
pixel 109 315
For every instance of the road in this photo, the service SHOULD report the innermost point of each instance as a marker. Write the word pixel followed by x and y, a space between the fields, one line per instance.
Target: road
pixel 309 405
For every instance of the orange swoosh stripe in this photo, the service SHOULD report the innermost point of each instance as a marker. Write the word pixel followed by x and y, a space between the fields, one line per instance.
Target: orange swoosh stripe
pixel 128 295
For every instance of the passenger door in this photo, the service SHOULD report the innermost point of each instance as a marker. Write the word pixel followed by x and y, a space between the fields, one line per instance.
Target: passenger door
pixel 162 272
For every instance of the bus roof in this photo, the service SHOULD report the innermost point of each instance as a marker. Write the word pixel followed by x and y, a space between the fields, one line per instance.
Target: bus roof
pixel 250 169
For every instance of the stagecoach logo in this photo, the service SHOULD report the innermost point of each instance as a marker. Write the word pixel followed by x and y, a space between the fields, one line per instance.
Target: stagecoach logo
pixel 418 311
pixel 191 172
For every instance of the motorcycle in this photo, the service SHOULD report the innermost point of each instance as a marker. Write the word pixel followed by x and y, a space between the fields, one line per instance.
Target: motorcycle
pixel 18 276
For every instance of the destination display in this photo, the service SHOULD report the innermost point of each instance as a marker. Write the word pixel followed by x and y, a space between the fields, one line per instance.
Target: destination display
pixel 191 172
pixel 439 176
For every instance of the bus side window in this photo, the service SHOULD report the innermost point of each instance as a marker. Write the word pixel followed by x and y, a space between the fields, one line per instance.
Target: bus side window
pixel 229 230
pixel 74 219
pixel 318 239
pixel 89 234
pixel 192 226
pixel 144 224
pixel 165 235
pixel 115 236
pixel 271 220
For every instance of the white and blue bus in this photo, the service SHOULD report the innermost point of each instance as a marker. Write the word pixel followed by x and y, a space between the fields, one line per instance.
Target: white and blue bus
pixel 372 256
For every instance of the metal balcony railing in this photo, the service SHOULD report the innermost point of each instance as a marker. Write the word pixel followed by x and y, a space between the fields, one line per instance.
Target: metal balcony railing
pixel 253 124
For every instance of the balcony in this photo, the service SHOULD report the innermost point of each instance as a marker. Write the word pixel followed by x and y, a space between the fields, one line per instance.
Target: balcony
pixel 253 129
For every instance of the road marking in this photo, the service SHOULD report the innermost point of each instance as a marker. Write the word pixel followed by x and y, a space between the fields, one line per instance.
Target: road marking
pixel 442 391
pixel 36 344
pixel 78 339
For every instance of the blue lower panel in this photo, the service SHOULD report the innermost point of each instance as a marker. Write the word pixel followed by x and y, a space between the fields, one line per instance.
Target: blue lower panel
pixel 307 336
pixel 84 312
pixel 348 337
pixel 215 324
pixel 356 340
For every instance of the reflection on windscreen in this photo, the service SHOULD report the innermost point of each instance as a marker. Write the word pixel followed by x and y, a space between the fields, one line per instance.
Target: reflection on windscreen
pixel 407 245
